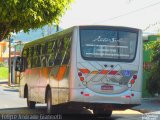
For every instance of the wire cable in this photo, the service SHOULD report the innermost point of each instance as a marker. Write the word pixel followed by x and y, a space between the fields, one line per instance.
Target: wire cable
pixel 128 13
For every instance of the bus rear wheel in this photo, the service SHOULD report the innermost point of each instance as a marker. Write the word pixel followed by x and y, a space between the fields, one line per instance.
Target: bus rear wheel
pixel 102 112
pixel 49 101
pixel 30 104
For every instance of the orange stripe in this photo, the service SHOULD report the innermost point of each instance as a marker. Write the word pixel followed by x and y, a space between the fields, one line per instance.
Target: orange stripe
pixel 61 72
pixel 84 71
pixel 104 72
pixel 94 72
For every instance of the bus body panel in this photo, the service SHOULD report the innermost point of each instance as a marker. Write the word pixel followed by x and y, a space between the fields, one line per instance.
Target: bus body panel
pixel 137 87
pixel 37 79
pixel 126 95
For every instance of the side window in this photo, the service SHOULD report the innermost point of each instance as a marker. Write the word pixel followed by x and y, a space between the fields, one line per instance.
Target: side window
pixel 51 53
pixel 43 55
pixel 27 57
pixel 66 52
pixel 27 52
pixel 30 57
pixel 50 47
pixel 58 49
pixel 36 56
pixel 38 51
pixel 55 49
pixel 46 48
pixel 62 49
pixel 24 53
pixel 43 49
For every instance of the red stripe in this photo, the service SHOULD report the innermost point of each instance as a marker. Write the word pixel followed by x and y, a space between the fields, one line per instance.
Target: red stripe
pixel 113 72
pixel 84 71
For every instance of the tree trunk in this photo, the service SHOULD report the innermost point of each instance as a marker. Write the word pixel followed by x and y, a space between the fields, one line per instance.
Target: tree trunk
pixel 3 34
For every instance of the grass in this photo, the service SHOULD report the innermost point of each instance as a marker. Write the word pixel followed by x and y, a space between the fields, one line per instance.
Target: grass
pixel 3 72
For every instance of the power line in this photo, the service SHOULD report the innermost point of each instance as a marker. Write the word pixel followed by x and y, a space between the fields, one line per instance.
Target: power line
pixel 151 5
pixel 151 25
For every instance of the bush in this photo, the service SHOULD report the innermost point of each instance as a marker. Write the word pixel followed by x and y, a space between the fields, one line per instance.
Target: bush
pixel 2 64
pixel 153 84
pixel 3 72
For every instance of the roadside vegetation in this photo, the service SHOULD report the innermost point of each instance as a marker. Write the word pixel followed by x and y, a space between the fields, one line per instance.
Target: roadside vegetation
pixel 17 15
pixel 3 73
pixel 153 84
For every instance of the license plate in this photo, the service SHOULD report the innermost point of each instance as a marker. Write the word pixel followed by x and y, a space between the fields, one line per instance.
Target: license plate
pixel 106 87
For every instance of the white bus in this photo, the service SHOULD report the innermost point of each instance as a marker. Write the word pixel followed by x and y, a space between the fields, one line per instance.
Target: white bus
pixel 97 67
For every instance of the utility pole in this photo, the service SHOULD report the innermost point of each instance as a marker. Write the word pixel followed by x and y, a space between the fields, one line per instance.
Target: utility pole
pixel 9 63
pixel 57 28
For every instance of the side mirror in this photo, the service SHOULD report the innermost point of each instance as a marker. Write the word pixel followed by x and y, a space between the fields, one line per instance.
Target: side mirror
pixel 20 64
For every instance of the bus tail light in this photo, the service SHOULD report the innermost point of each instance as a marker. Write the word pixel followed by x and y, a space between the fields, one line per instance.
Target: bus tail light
pixel 134 76
pixel 82 78
pixel 132 94
pixel 126 96
pixel 132 81
pixel 86 94
pixel 79 74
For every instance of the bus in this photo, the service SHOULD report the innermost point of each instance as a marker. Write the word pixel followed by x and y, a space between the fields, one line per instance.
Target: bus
pixel 91 66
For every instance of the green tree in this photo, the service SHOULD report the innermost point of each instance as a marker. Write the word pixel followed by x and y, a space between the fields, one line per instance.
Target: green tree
pixel 16 15
pixel 154 79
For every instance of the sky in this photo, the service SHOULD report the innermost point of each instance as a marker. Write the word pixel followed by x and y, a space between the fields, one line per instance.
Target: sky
pixel 142 14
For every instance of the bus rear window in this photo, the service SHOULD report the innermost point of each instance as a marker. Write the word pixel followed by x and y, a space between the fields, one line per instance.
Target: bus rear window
pixel 108 44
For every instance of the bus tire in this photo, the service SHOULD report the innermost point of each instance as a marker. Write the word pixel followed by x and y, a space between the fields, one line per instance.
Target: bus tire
pixel 102 112
pixel 30 104
pixel 49 101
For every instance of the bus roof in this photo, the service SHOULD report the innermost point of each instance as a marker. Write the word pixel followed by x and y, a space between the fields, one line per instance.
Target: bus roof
pixel 47 38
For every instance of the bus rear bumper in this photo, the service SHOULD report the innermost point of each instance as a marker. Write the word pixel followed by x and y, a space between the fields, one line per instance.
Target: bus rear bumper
pixel 107 106
pixel 127 98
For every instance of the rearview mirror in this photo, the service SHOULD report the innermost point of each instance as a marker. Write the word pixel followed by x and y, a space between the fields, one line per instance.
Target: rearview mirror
pixel 20 64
